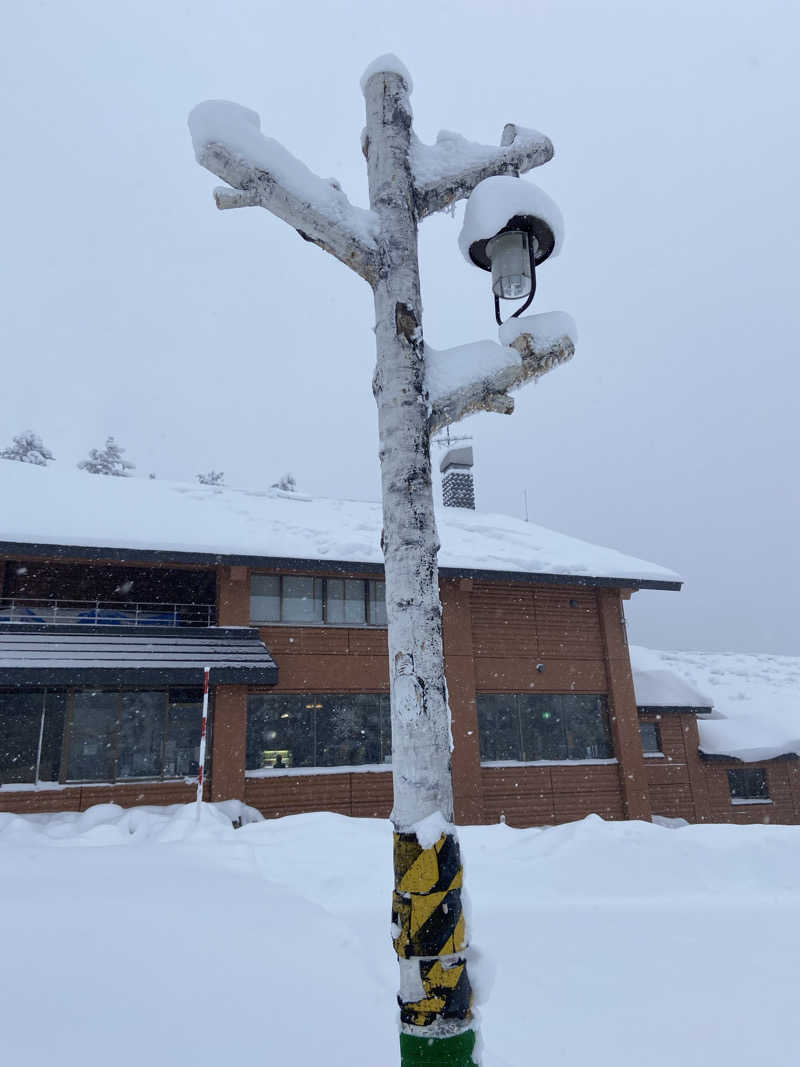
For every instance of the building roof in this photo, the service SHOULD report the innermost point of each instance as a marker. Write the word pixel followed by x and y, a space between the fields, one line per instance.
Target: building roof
pixel 755 698
pixel 47 510
pixel 33 655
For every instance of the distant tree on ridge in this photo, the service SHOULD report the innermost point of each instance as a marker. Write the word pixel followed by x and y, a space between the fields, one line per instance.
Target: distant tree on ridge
pixel 107 461
pixel 211 477
pixel 27 447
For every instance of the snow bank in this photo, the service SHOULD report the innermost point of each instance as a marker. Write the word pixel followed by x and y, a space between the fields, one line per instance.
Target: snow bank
pixel 496 200
pixel 663 943
pixel 53 506
pixel 756 698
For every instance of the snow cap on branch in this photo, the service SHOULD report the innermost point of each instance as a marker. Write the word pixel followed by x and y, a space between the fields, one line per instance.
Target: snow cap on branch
pixel 387 64
pixel 497 200
pixel 238 130
pixel 544 328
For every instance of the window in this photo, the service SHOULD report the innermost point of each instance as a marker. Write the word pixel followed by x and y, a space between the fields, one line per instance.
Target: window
pixel 543 726
pixel 319 730
pixel 651 738
pixel 106 735
pixel 31 735
pixel 748 783
pixel 317 601
pixel 114 735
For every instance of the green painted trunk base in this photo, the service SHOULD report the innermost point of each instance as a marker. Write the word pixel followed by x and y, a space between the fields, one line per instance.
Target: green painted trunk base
pixel 437 1051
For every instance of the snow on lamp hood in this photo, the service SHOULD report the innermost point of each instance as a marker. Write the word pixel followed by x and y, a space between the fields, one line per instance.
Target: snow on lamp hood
pixel 495 201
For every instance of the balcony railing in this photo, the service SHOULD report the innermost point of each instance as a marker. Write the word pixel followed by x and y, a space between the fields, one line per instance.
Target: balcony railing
pixel 104 613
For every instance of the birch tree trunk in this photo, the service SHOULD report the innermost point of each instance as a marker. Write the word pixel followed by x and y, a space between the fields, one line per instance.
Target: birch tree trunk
pixel 428 924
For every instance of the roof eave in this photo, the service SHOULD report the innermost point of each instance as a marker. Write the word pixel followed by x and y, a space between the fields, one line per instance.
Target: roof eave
pixel 33 550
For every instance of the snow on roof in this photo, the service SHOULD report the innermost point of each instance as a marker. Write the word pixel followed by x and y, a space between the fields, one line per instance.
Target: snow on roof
pixel 52 506
pixel 755 697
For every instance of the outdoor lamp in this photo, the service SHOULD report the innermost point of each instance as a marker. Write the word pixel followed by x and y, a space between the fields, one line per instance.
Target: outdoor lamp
pixel 511 256
pixel 510 226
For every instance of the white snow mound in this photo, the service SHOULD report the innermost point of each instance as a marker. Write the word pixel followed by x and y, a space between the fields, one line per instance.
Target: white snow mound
pixel 496 200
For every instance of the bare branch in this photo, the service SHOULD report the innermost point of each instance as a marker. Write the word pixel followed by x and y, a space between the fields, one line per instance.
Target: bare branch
pixel 449 170
pixel 229 143
pixel 532 353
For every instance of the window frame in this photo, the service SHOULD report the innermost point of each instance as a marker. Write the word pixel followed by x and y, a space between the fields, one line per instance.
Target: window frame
pixel 651 753
pixel 513 705
pixel 320 738
pixel 368 584
pixel 63 744
pixel 749 797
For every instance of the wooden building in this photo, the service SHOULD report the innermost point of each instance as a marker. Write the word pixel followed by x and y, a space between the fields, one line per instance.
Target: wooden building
pixel 115 593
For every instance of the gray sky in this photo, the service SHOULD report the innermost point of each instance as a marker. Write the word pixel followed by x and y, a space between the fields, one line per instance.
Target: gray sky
pixel 203 338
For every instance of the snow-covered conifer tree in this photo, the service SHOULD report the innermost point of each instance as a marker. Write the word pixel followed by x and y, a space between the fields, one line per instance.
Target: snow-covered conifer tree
pixel 286 483
pixel 27 447
pixel 107 461
pixel 211 477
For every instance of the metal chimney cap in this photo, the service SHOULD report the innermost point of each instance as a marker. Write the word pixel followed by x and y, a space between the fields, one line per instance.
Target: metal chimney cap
pixel 457 457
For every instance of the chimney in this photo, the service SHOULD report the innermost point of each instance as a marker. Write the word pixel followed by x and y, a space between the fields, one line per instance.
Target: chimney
pixel 458 488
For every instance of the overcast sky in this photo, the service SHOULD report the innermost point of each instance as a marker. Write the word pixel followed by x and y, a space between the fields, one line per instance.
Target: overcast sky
pixel 131 306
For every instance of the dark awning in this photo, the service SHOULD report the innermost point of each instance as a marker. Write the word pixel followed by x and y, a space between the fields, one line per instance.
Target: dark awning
pixel 33 655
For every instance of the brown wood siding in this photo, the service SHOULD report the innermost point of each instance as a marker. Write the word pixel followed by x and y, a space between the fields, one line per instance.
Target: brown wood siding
pixel 668 777
pixel 366 794
pixel 542 796
pixel 81 797
pixel 780 774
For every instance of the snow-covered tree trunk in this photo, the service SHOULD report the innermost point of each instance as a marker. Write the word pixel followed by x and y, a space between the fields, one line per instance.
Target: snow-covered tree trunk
pixel 435 993
pixel 407 182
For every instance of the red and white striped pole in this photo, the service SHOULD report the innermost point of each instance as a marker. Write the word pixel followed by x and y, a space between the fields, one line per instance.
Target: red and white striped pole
pixel 202 757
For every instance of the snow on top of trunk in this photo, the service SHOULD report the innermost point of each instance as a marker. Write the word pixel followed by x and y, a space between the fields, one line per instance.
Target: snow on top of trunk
pixel 239 130
pixel 755 697
pixel 496 200
pixel 388 63
pixel 54 506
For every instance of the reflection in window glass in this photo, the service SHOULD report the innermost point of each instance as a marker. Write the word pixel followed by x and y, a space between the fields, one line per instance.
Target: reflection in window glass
pixel 184 725
pixel 21 716
pixel 543 726
pixel 302 599
pixel 318 730
pixel 651 742
pixel 311 601
pixel 265 598
pixel 499 728
pixel 748 783
pixel 55 705
pixel 95 715
pixel 377 603
pixel 345 601
pixel 141 735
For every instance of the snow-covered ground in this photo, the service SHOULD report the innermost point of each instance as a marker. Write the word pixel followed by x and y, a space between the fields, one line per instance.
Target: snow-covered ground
pixel 755 697
pixel 149 936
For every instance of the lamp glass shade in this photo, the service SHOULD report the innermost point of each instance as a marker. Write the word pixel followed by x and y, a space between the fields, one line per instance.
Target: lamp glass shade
pixel 509 254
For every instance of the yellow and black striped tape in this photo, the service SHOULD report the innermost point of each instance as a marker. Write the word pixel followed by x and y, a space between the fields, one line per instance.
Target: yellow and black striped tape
pixel 448 994
pixel 427 916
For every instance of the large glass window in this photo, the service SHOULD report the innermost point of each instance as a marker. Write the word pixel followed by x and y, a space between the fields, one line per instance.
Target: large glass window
pixel 543 726
pixel 108 735
pixel 319 730
pixel 316 601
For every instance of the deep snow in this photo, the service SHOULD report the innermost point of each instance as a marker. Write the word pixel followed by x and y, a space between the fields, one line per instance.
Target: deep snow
pixel 150 936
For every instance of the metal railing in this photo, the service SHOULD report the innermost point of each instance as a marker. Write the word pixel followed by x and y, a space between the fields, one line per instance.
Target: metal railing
pixel 104 613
